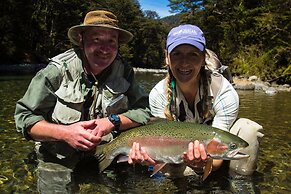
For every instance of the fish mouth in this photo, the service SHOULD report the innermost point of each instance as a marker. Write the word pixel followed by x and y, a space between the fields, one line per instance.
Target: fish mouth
pixel 236 155
pixel 232 155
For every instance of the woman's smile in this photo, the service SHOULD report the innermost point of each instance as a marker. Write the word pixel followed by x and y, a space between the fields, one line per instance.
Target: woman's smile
pixel 184 71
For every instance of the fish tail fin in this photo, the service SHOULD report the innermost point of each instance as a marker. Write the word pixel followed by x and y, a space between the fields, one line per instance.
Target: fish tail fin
pixel 102 158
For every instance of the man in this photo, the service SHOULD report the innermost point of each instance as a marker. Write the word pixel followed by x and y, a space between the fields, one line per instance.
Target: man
pixel 84 96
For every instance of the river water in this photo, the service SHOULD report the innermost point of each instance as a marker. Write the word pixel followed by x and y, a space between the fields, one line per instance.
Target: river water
pixel 273 175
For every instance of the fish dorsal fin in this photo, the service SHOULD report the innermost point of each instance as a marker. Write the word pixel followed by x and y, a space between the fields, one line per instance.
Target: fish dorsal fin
pixel 157 168
pixel 207 168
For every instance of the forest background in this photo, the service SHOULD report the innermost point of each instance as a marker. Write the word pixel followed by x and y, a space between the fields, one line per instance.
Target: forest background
pixel 252 37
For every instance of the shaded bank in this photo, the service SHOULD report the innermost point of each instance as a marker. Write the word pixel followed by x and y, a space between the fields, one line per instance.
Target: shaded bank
pixel 240 83
pixel 20 69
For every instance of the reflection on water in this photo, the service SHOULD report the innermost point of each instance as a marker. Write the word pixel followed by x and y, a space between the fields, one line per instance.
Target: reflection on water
pixel 272 175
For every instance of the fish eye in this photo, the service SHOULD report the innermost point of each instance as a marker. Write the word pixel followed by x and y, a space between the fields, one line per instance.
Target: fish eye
pixel 232 146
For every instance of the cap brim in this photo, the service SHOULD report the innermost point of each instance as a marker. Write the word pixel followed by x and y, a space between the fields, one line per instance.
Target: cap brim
pixel 73 33
pixel 192 42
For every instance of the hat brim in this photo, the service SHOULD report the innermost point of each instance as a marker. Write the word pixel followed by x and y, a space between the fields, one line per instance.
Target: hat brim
pixel 192 42
pixel 73 33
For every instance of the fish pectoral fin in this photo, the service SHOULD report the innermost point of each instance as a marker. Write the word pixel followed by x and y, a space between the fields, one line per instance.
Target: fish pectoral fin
pixel 157 168
pixel 101 156
pixel 122 158
pixel 207 168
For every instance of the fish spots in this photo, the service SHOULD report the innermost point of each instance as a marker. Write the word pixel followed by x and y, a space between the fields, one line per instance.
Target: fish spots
pixel 161 141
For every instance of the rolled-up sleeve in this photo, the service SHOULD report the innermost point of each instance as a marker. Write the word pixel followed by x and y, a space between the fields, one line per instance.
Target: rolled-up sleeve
pixel 158 100
pixel 38 101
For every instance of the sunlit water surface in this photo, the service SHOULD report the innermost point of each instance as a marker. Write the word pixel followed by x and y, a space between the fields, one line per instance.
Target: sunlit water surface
pixel 273 175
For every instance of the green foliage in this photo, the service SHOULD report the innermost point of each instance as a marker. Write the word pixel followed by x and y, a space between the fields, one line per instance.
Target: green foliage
pixel 251 36
pixel 252 61
pixel 149 44
pixel 151 14
pixel 171 21
pixel 43 26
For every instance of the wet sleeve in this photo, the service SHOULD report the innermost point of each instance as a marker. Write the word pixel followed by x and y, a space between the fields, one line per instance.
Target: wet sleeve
pixel 138 100
pixel 39 100
pixel 226 107
pixel 157 100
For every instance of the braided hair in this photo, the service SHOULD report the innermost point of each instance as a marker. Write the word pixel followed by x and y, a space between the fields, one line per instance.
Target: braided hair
pixel 206 99
pixel 170 109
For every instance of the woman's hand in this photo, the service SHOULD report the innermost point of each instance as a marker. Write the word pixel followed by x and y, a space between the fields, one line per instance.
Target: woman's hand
pixel 138 155
pixel 196 156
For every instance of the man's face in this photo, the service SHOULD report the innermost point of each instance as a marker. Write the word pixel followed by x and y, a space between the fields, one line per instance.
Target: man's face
pixel 101 47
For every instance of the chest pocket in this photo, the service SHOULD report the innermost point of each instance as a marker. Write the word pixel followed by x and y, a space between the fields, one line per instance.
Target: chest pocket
pixel 111 98
pixel 69 104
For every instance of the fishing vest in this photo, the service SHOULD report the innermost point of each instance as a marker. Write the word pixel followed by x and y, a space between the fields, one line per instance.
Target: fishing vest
pixel 73 91
pixel 213 90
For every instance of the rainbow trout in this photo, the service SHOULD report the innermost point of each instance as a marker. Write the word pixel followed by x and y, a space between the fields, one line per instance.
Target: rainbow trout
pixel 165 142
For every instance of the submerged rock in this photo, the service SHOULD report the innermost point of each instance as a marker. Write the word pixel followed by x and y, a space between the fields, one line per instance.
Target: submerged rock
pixel 271 91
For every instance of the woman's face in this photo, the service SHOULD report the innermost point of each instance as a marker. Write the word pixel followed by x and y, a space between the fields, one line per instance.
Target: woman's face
pixel 185 62
pixel 101 47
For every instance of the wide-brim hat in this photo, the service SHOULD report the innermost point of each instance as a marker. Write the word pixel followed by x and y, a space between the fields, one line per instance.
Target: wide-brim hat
pixel 99 18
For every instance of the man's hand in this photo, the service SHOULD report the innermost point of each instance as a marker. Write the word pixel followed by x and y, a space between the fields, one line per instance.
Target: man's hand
pixel 79 135
pixel 102 127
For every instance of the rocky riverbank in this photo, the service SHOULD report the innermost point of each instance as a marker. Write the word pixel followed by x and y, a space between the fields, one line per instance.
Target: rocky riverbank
pixel 254 83
pixel 240 83
pixel 20 69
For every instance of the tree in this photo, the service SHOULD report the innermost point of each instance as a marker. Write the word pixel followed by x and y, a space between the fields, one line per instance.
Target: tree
pixel 151 14
pixel 253 37
pixel 182 6
pixel 150 46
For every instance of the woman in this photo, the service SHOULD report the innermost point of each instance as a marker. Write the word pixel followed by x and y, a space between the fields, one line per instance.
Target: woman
pixel 190 93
